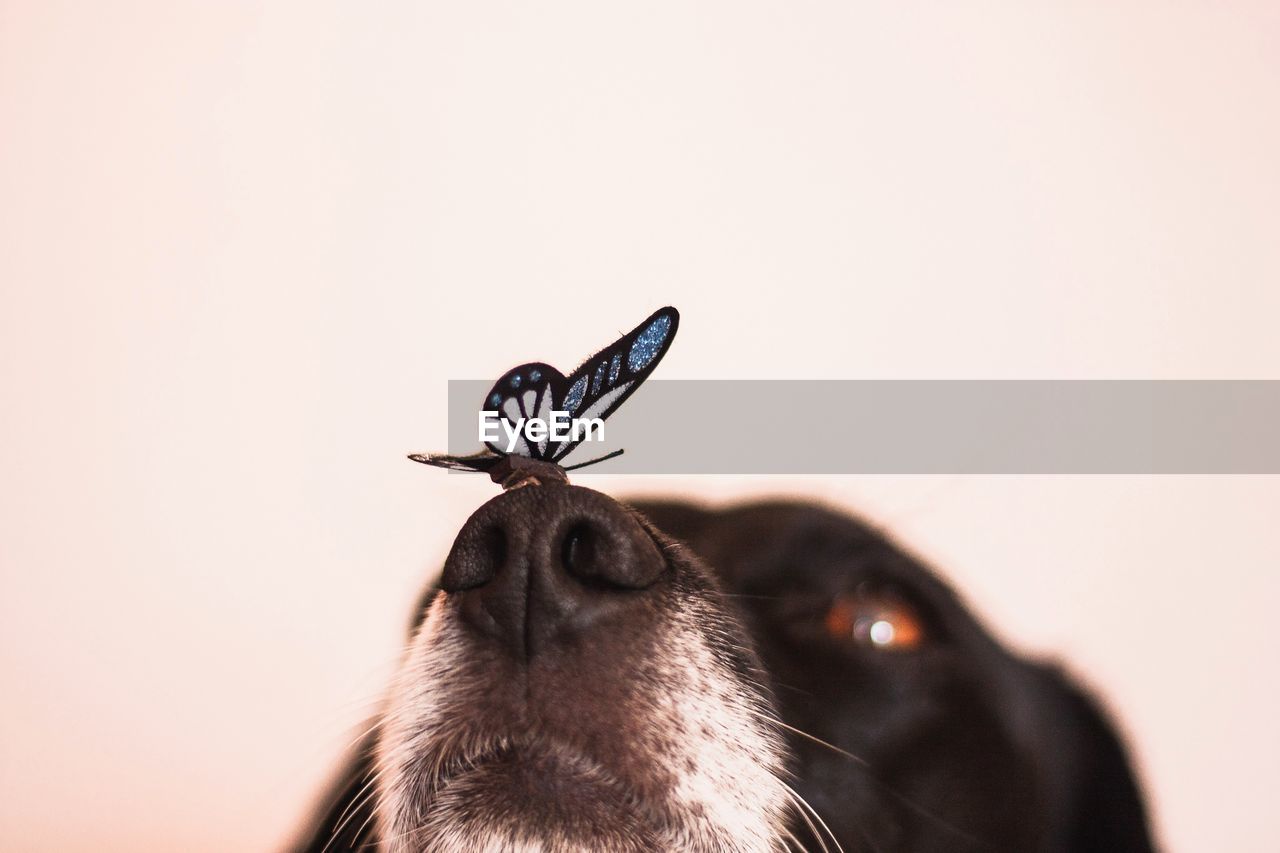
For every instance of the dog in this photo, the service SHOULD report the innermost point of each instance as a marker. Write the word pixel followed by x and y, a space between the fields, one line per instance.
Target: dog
pixel 774 676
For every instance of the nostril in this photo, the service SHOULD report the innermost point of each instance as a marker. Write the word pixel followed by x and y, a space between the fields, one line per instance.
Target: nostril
pixel 476 560
pixel 580 552
pixel 608 556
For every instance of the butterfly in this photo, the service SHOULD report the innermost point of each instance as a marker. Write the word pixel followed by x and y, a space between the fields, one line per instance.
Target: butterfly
pixel 535 390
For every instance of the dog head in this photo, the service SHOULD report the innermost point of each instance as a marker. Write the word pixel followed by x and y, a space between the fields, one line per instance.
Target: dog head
pixel 593 676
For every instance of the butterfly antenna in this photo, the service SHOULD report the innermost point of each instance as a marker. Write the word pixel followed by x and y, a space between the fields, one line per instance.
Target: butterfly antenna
pixel 594 461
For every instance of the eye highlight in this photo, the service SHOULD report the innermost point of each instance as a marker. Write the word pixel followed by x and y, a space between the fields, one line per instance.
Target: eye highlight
pixel 874 620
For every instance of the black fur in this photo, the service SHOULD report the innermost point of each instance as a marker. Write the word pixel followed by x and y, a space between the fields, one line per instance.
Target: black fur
pixel 967 747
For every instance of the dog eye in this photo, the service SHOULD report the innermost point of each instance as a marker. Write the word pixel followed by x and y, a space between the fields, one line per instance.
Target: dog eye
pixel 875 620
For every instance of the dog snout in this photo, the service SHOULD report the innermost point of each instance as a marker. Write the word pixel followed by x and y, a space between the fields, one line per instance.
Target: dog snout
pixel 541 567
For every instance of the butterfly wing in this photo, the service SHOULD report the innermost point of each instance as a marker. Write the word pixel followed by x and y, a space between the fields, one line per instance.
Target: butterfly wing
pixel 481 461
pixel 605 380
pixel 527 391
pixel 536 390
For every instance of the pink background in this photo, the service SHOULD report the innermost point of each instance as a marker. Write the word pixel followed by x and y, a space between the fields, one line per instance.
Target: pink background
pixel 242 248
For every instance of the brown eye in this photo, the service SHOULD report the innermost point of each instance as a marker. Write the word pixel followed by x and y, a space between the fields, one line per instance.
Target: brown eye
pixel 878 621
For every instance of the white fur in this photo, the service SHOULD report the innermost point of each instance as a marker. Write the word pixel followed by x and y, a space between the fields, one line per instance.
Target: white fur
pixel 703 726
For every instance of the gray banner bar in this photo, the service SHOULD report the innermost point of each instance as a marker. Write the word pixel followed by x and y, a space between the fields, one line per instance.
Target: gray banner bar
pixel 927 427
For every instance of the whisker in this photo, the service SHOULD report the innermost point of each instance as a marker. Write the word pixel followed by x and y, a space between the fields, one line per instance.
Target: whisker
pixel 751 596
pixel 849 755
pixel 778 685
pixel 805 804
pixel 793 797
pixel 366 793
pixel 915 807
pixel 364 734
pixel 360 832
pixel 790 842
pixel 405 834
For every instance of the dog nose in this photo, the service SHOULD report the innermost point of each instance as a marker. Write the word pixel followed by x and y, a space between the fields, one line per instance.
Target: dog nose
pixel 539 566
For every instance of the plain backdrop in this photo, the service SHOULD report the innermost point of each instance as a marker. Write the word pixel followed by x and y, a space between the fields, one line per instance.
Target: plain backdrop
pixel 244 246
